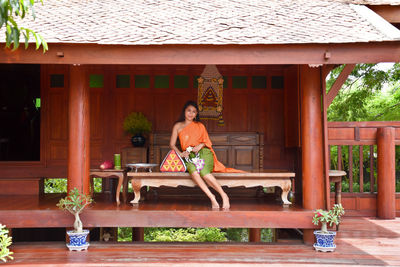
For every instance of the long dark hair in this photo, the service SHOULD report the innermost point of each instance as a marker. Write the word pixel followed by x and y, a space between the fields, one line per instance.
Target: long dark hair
pixel 189 103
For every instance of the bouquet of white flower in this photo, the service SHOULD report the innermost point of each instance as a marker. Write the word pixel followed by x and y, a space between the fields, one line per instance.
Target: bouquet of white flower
pixel 195 159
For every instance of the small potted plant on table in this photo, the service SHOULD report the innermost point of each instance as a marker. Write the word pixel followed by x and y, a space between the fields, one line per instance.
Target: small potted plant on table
pixel 137 125
pixel 75 203
pixel 325 239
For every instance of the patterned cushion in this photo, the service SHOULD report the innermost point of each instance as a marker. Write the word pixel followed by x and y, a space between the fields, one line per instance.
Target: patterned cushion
pixel 172 163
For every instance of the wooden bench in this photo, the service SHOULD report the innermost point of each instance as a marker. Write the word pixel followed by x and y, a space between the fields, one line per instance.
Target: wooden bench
pixel 175 179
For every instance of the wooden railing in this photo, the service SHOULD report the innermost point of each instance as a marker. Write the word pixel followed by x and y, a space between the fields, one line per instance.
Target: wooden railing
pixel 353 160
pixel 373 144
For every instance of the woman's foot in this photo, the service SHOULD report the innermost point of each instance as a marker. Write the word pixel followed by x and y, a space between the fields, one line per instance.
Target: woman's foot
pixel 225 202
pixel 214 204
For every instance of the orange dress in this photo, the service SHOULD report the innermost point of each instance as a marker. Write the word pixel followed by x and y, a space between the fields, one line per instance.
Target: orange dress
pixel 195 133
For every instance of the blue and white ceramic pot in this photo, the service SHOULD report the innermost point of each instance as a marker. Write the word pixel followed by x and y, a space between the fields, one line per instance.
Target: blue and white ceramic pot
pixel 77 241
pixel 325 241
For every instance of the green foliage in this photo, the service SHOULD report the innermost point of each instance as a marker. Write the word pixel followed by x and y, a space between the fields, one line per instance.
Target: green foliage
pixel 330 217
pixel 267 235
pixel 136 123
pixel 237 234
pixel 10 12
pixel 5 242
pixel 184 235
pixel 193 234
pixel 75 202
pixel 55 185
pixel 59 185
pixel 124 234
pixel 361 97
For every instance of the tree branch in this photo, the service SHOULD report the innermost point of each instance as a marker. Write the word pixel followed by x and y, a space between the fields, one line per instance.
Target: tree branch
pixel 387 109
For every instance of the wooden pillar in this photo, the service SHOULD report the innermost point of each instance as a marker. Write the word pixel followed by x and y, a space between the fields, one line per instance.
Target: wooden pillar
pixel 311 142
pixel 386 200
pixel 138 234
pixel 254 234
pixel 79 131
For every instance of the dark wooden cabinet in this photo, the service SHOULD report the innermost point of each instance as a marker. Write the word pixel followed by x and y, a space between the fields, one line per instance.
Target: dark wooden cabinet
pixel 240 150
pixel 133 155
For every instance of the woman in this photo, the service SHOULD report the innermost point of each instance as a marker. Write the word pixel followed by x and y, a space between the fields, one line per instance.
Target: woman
pixel 194 140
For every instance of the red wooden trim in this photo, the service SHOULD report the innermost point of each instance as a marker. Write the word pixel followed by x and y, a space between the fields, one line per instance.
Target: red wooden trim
pixel 351 53
pixel 339 83
pixel 363 124
pixel 351 142
pixel 357 134
pixel 326 145
pixel 159 218
pixel 361 157
pixel 371 168
pixel 339 157
pixel 350 168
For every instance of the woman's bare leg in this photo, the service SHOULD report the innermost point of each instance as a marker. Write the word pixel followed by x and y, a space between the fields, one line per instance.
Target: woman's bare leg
pixel 211 181
pixel 200 182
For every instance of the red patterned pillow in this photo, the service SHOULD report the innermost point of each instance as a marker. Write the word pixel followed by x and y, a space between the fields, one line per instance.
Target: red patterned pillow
pixel 172 163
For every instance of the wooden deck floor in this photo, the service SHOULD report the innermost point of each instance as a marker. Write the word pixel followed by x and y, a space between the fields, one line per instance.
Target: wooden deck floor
pixel 361 241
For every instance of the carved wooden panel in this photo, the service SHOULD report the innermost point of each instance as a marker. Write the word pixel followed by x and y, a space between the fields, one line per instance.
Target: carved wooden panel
pixel 223 154
pixel 96 151
pixel 58 115
pixel 245 157
pixel 97 121
pixel 120 108
pixel 58 150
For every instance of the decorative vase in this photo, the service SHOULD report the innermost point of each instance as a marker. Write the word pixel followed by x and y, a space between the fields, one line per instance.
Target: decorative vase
pixel 325 241
pixel 77 241
pixel 138 140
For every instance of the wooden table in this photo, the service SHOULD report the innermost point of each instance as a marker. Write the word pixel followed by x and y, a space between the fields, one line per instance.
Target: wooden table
pixel 110 173
pixel 335 176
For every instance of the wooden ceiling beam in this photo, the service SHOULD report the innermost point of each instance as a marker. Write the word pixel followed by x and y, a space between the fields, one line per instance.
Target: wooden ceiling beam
pixel 339 83
pixel 389 12
pixel 207 54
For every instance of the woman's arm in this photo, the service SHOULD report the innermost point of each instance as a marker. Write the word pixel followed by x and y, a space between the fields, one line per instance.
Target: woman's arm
pixel 198 147
pixel 172 142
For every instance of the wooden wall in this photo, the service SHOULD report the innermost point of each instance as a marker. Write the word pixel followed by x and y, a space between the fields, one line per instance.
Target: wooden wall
pixel 268 110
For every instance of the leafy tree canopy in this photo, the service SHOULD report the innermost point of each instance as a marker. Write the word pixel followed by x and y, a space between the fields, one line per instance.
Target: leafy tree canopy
pixel 369 94
pixel 12 11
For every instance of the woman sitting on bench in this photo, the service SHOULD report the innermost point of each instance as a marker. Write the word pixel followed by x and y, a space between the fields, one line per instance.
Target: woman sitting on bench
pixel 200 158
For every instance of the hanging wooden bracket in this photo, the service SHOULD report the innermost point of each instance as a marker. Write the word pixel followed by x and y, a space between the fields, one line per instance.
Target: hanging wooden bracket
pixel 339 83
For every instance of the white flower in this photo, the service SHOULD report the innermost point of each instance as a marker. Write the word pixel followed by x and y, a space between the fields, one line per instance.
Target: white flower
pixel 189 149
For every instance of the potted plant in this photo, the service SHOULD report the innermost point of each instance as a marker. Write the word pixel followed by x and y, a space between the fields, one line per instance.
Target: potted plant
pixel 136 124
pixel 5 242
pixel 75 203
pixel 325 239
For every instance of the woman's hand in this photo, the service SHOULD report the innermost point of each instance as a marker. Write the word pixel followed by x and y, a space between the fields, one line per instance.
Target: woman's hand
pixel 197 148
pixel 184 154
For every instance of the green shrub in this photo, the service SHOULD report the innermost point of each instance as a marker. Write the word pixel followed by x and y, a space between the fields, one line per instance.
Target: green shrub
pixel 184 235
pixel 5 242
pixel 124 234
pixel 59 185
pixel 237 234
